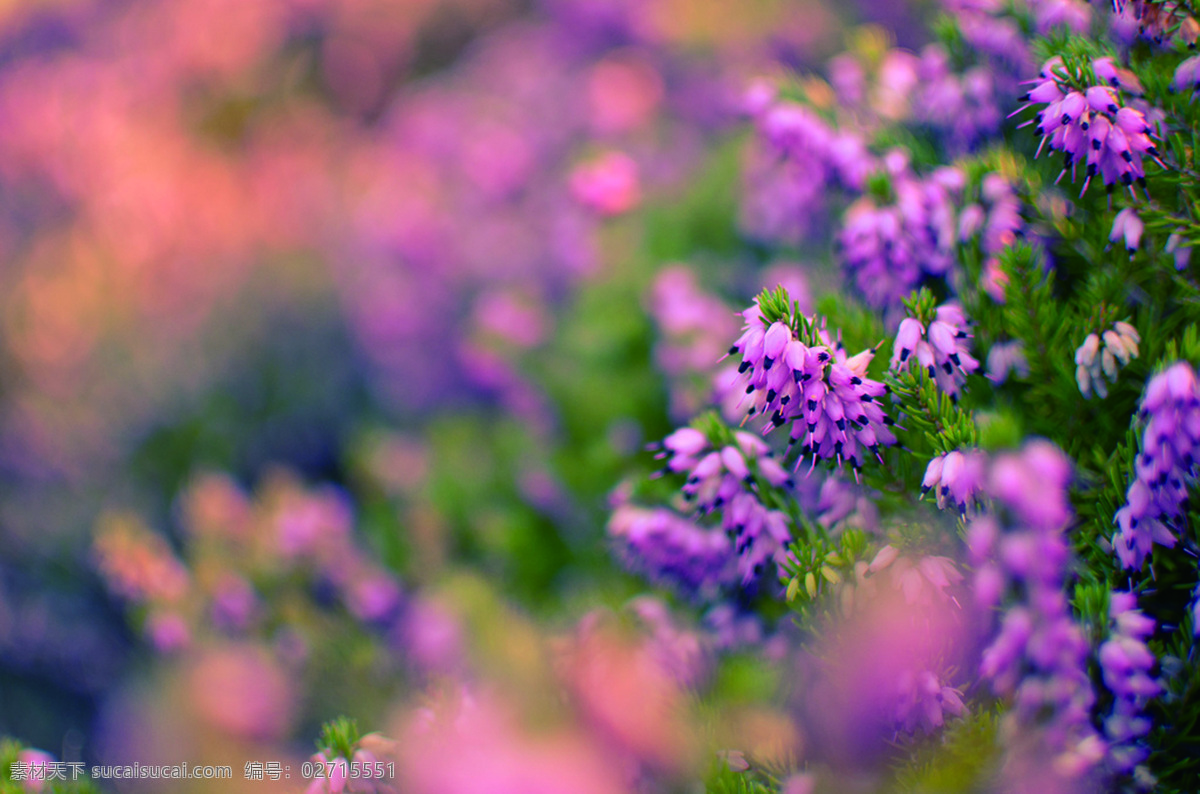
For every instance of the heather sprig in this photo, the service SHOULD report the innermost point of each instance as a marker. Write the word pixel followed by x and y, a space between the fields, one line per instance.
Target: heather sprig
pixel 794 375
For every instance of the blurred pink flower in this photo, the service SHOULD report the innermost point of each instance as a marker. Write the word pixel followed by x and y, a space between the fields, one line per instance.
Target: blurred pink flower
pixel 240 690
pixel 477 745
pixel 608 184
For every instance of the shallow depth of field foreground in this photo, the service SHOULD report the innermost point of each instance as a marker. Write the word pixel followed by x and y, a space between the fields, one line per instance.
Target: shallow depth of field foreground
pixel 599 396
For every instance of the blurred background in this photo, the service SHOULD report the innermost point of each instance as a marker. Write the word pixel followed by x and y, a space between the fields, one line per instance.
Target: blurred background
pixel 326 327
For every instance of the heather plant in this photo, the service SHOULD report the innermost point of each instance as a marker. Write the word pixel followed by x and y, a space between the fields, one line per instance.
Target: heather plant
pixel 903 441
pixel 1011 211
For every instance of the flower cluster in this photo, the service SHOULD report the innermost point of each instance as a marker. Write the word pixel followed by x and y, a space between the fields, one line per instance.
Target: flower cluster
pixel 964 106
pixel 1171 409
pixel 887 247
pixel 1092 125
pixel 695 328
pixel 232 542
pixel 997 219
pixel 1125 663
pixel 715 476
pixel 889 663
pixel 940 349
pixel 924 701
pixel 667 547
pixel 956 478
pixel 726 478
pixel 798 156
pixel 831 405
pixel 1096 360
pixel 1039 657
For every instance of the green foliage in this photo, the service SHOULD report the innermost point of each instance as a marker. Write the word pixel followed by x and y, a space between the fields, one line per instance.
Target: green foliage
pixel 339 738
pixel 818 566
pixel 962 760
pixel 725 781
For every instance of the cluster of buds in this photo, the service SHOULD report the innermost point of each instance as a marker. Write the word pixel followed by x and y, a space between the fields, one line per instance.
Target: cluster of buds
pixel 1125 663
pixel 940 349
pixel 1090 125
pixel 792 373
pixel 1171 409
pixel 956 479
pixel 1099 358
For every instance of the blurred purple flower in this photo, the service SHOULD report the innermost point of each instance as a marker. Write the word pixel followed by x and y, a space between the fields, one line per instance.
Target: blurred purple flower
pixel 1154 502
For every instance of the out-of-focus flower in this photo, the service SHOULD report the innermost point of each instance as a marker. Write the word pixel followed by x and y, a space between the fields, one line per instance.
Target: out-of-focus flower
pixel 1005 358
pixel 1187 75
pixel 887 247
pixel 1039 657
pixel 1125 665
pixel 608 184
pixel 667 547
pixel 1171 410
pixel 695 328
pixel 624 694
pixel 242 691
pixel 1075 15
pixel 1129 226
pixel 36 766
pixel 475 743
pixel 885 665
pixel 168 631
pixel 686 655
pixel 1097 362
pixel 137 564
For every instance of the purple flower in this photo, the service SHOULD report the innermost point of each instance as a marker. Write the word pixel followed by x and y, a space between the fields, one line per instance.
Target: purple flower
pixel 1091 125
pixel 1039 657
pixel 962 106
pixel 956 478
pixel 1005 358
pixel 795 157
pixel 1072 14
pixel 1171 410
pixel 887 248
pixel 1187 75
pixel 1179 250
pixel 941 350
pixel 1125 664
pixel 1129 226
pixel 830 404
pixel 923 701
pixel 672 549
